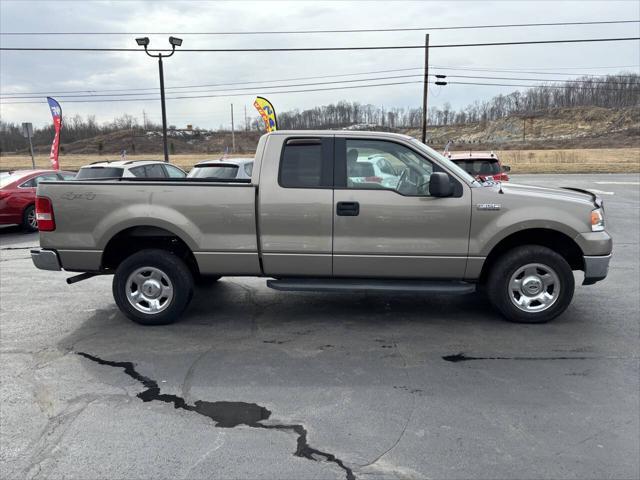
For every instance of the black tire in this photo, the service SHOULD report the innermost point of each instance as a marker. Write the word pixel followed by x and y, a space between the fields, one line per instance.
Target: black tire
pixel 175 274
pixel 500 276
pixel 206 280
pixel 29 223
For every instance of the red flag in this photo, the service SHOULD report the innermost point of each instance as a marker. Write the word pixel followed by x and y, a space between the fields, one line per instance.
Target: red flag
pixel 56 113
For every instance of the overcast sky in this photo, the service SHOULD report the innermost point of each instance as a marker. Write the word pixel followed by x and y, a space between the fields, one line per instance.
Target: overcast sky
pixel 56 71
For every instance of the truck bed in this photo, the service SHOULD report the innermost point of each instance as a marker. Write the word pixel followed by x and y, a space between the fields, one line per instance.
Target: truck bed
pixel 217 220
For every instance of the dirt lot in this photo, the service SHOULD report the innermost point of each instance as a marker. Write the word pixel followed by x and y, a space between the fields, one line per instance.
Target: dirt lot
pixel 602 160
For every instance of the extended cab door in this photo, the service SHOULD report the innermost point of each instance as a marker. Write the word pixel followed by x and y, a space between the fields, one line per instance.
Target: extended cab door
pixel 385 222
pixel 295 205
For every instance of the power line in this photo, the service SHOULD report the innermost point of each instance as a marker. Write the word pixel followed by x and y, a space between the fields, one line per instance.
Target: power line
pixel 606 82
pixel 324 49
pixel 263 87
pixel 359 30
pixel 95 92
pixel 480 69
pixel 257 87
pixel 223 95
pixel 215 84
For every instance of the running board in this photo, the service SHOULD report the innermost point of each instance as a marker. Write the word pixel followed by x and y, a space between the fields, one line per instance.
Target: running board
pixel 370 286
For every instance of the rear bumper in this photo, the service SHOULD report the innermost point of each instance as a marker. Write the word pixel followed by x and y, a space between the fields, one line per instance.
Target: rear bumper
pixel 596 268
pixel 45 259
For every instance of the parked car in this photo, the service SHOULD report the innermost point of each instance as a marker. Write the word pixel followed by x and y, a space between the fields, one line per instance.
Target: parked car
pixel 223 169
pixel 371 169
pixel 304 223
pixel 130 169
pixel 484 165
pixel 18 195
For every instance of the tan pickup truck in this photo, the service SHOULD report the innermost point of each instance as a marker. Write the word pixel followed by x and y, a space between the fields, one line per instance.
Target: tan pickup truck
pixel 327 211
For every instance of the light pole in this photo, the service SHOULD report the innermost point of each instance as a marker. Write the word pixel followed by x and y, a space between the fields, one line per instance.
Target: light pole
pixel 175 42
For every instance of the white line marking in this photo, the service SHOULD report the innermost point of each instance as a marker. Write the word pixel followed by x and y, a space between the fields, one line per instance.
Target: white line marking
pixel 618 183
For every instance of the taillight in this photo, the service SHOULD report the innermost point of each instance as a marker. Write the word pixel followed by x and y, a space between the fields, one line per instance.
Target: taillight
pixel 44 215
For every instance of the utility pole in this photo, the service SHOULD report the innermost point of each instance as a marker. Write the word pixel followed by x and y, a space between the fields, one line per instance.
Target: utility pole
pixel 425 88
pixel 524 128
pixel 233 136
pixel 246 123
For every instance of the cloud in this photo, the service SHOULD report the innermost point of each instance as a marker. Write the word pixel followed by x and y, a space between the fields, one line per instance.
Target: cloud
pixel 46 72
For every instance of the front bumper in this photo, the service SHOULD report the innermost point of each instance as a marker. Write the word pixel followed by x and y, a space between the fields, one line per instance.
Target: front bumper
pixel 45 259
pixel 596 268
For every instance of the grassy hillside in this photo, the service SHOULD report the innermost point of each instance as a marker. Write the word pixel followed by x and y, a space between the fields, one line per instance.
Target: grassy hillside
pixel 582 139
pixel 580 127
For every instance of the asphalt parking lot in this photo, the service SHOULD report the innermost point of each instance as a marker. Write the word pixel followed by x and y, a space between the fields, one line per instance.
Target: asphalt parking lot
pixel 259 384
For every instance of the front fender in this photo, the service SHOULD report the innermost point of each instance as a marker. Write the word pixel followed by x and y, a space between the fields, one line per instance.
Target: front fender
pixel 488 228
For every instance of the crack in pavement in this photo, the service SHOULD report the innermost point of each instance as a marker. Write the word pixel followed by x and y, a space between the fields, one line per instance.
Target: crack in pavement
pixel 224 414
pixel 461 357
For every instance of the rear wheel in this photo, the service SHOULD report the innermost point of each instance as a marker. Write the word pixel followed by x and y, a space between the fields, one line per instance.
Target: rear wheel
pixel 29 222
pixel 153 287
pixel 531 284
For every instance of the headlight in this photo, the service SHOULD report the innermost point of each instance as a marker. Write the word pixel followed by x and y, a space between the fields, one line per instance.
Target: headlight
pixel 597 220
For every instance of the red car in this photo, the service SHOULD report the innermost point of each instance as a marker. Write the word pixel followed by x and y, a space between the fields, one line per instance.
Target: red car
pixel 18 195
pixel 483 165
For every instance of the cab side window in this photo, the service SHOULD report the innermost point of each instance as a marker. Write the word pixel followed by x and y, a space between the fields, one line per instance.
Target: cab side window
pixel 383 165
pixel 307 163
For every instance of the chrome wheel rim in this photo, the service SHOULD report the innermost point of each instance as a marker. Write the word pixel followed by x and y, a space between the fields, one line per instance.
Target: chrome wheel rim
pixel 31 219
pixel 149 290
pixel 534 287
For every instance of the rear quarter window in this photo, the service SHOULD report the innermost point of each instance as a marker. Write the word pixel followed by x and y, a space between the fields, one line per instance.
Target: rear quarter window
pixel 88 173
pixel 214 171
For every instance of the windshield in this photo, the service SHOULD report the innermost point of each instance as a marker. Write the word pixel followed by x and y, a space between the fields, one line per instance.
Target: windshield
pixel 480 166
pixel 6 178
pixel 442 159
pixel 214 171
pixel 99 172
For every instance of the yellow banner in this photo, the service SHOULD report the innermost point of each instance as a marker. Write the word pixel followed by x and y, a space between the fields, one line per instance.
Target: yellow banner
pixel 267 112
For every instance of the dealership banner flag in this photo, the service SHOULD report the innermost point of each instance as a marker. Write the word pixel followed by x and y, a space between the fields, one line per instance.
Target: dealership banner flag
pixel 267 112
pixel 56 113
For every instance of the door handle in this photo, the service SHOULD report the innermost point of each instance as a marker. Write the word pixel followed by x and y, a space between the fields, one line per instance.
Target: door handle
pixel 348 209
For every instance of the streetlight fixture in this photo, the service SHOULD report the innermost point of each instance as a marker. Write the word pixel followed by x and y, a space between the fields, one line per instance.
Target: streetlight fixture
pixel 175 42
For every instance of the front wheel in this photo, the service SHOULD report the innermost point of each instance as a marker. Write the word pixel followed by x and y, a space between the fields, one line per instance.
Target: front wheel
pixel 531 284
pixel 153 287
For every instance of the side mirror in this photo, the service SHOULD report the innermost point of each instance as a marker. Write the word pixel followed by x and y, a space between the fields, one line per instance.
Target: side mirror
pixel 506 168
pixel 440 185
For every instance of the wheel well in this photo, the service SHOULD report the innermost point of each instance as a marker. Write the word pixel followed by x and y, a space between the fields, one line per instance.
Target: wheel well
pixel 556 241
pixel 132 240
